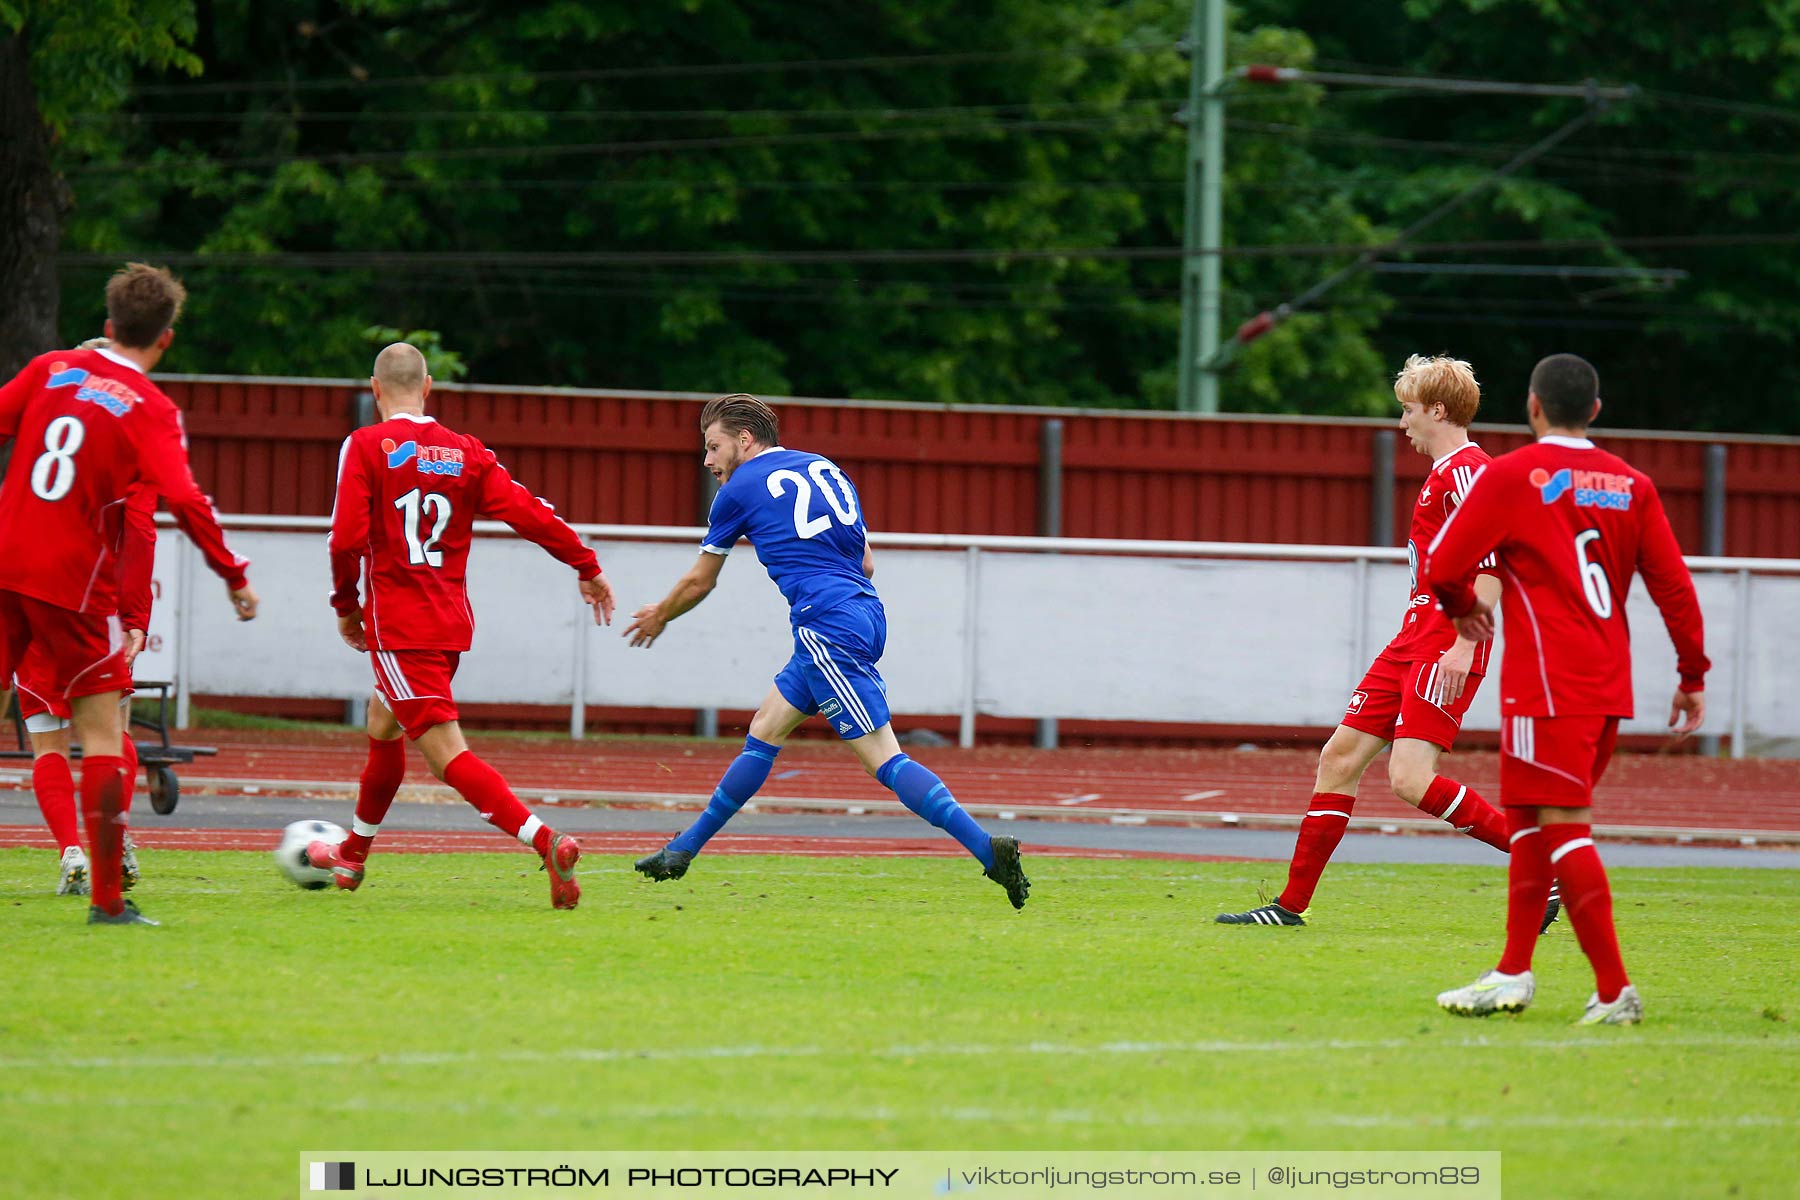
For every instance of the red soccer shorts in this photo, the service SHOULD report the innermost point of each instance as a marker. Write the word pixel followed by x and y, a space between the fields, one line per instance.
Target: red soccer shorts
pixel 36 695
pixel 415 685
pixel 1399 699
pixel 60 655
pixel 1554 761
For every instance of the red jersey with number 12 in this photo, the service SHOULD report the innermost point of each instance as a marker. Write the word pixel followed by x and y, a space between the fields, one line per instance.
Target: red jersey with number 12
pixel 1426 633
pixel 91 430
pixel 408 494
pixel 1571 524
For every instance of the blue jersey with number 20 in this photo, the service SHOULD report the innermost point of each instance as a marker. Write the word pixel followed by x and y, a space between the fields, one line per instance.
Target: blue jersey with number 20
pixel 801 513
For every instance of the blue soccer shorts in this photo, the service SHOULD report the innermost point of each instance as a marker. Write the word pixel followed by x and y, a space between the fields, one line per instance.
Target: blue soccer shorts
pixel 833 670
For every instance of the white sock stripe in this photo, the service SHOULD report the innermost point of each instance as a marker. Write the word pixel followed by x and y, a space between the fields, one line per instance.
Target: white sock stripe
pixel 821 656
pixel 529 829
pixel 1557 854
pixel 1461 791
pixel 1523 833
pixel 1327 812
pixel 363 829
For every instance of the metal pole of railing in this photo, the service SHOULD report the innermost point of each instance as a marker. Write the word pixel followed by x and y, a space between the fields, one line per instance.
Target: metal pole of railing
pixel 1740 683
pixel 971 613
pixel 1713 519
pixel 1381 489
pixel 1359 620
pixel 578 684
pixel 184 629
pixel 706 720
pixel 1049 522
pixel 1712 539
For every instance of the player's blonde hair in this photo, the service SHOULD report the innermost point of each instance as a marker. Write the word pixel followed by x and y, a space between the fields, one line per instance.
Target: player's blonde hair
pixel 740 412
pixel 1440 379
pixel 141 302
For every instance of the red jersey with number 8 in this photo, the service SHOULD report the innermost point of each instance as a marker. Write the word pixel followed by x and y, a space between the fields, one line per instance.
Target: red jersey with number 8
pixel 1571 524
pixel 89 427
pixel 408 494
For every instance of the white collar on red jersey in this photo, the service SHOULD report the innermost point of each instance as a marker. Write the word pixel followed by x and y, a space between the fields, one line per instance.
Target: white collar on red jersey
pixel 1446 458
pixel 1557 439
pixel 112 356
pixel 416 418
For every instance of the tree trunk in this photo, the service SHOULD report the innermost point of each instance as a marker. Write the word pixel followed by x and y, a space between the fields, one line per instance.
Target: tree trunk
pixel 31 204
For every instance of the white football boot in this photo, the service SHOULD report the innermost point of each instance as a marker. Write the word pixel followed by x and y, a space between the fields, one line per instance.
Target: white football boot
pixel 1490 994
pixel 1628 1009
pixel 74 878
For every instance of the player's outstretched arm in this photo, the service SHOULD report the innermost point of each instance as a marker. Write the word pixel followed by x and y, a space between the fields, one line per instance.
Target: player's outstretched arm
pixel 1472 533
pixel 648 622
pixel 163 465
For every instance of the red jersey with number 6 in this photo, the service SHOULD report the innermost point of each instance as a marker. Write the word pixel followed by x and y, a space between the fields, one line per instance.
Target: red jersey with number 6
pixel 408 495
pixel 1426 633
pixel 1571 524
pixel 90 429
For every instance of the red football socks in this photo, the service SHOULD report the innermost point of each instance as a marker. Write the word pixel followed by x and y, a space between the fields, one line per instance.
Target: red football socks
pixel 486 789
pixel 1588 897
pixel 1528 880
pixel 102 782
pixel 1326 819
pixel 55 789
pixel 382 775
pixel 1465 811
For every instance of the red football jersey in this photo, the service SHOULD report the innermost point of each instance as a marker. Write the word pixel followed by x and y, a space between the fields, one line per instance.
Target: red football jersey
pixel 89 425
pixel 1425 633
pixel 1571 523
pixel 408 494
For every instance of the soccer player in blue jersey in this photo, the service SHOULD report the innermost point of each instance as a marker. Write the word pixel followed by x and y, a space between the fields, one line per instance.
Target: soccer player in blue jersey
pixel 801 513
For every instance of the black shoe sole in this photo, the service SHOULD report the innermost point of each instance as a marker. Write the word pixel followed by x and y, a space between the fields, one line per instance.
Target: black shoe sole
pixel 658 868
pixel 1007 871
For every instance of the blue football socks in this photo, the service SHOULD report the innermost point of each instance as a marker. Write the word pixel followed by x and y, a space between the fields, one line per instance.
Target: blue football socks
pixel 925 794
pixel 747 772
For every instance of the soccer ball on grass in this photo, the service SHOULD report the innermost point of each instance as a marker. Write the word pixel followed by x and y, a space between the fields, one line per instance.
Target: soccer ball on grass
pixel 290 855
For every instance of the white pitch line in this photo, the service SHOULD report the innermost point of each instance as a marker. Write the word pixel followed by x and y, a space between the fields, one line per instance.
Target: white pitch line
pixel 976 1050
pixel 1193 797
pixel 1224 1118
pixel 1083 799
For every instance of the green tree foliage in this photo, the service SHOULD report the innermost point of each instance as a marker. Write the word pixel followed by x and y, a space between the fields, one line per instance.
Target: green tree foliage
pixel 937 200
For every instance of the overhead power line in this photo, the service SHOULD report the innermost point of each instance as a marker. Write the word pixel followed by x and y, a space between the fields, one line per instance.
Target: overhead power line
pixel 668 71
pixel 361 259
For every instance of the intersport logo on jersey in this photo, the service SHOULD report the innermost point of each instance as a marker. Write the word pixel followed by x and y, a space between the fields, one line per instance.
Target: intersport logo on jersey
pixel 109 394
pixel 1593 489
pixel 427 460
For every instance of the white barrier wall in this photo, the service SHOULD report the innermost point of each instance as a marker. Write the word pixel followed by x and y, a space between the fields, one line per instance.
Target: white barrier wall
pixel 1006 627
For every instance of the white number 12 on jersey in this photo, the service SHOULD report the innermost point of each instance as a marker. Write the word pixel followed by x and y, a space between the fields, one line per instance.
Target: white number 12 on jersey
pixel 843 507
pixel 411 506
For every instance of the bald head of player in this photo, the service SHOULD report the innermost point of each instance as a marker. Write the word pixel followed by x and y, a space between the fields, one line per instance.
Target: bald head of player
pixel 400 382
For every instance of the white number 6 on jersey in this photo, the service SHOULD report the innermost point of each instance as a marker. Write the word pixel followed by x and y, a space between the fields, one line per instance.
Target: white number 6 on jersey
pixel 1593 576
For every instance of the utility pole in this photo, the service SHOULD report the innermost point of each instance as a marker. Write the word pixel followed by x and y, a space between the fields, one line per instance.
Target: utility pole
pixel 1203 224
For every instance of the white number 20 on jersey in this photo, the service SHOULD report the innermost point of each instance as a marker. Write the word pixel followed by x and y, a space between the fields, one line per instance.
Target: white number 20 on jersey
pixel 823 473
pixel 412 506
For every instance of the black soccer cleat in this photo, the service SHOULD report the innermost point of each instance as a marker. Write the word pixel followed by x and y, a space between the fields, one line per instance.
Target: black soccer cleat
pixel 129 915
pixel 1007 871
pixel 1552 909
pixel 666 863
pixel 1269 914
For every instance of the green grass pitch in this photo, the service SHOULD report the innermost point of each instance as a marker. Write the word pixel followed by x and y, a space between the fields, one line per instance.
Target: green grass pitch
pixel 813 1003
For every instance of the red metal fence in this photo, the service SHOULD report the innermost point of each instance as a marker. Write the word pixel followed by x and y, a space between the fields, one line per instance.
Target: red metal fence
pixel 270 446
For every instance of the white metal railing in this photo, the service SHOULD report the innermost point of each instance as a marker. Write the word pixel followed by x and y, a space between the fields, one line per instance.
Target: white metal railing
pixel 980 615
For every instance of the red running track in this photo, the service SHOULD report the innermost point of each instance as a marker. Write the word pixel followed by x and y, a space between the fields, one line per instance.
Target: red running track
pixel 1665 791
